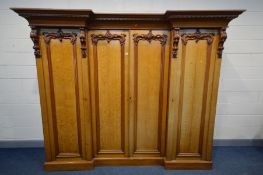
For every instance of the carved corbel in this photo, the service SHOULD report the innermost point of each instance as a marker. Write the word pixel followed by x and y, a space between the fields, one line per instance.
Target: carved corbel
pixel 34 35
pixel 82 37
pixel 176 38
pixel 222 40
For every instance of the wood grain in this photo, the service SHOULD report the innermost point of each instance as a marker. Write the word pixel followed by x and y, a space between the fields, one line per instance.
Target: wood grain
pixel 110 93
pixel 192 94
pixel 149 91
pixel 194 64
pixel 61 69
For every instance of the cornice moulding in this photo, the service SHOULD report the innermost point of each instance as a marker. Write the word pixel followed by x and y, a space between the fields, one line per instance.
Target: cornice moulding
pixel 81 17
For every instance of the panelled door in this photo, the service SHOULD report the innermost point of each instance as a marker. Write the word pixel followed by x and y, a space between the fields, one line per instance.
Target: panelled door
pixel 128 77
pixel 192 78
pixel 108 65
pixel 60 74
pixel 149 60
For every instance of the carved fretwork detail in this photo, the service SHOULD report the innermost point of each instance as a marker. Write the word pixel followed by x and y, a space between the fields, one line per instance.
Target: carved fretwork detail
pixel 60 35
pixel 197 36
pixel 149 37
pixel 176 38
pixel 108 37
pixel 34 35
pixel 82 37
pixel 222 40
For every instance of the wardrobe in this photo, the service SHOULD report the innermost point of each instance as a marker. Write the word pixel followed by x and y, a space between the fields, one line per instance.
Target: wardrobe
pixel 128 89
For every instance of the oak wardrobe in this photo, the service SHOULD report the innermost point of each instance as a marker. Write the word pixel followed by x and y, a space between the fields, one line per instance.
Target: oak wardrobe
pixel 128 89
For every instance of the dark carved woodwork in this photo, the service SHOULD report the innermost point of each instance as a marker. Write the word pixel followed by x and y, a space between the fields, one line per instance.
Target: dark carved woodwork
pixel 176 38
pixel 60 35
pixel 82 37
pixel 222 40
pixel 34 35
pixel 108 37
pixel 149 37
pixel 197 36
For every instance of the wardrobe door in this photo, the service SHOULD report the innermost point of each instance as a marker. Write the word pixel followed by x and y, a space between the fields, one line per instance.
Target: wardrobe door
pixel 60 82
pixel 192 97
pixel 149 62
pixel 108 79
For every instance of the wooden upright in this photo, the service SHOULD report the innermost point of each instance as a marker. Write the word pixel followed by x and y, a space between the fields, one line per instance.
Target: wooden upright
pixel 128 89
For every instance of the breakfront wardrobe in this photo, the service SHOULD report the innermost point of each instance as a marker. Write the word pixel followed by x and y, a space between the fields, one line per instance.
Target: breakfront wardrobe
pixel 128 89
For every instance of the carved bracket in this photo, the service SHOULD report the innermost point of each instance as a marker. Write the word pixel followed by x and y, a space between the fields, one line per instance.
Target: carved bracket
pixel 82 37
pixel 176 38
pixel 60 35
pixel 108 37
pixel 222 40
pixel 197 36
pixel 149 37
pixel 34 35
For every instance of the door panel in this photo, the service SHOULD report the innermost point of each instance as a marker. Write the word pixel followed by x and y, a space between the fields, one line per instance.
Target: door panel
pixel 190 93
pixel 61 63
pixel 65 99
pixel 108 81
pixel 149 65
pixel 109 96
pixel 192 96
pixel 148 85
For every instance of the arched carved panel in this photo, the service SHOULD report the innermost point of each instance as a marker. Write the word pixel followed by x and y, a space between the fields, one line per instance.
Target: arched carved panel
pixel 62 65
pixel 150 37
pixel 150 65
pixel 60 35
pixel 197 36
pixel 108 79
pixel 108 37
pixel 196 63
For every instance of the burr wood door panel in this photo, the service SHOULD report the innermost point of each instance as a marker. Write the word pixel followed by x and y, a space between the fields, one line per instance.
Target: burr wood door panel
pixel 149 61
pixel 59 72
pixel 108 64
pixel 192 88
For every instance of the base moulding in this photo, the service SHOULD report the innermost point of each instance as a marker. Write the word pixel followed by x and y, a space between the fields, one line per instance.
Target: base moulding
pixel 88 165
